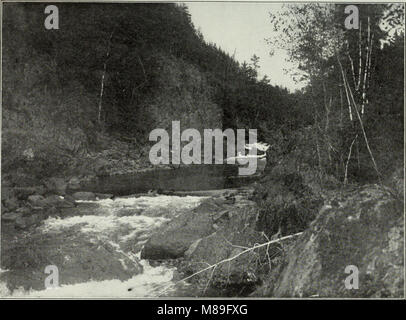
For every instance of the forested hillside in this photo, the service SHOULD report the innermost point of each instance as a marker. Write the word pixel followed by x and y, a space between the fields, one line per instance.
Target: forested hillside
pixel 80 102
pixel 355 93
pixel 111 72
pixel 96 87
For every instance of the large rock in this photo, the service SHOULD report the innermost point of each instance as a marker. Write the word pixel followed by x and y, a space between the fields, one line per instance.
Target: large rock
pixel 86 196
pixel 74 184
pixel 56 185
pixel 396 181
pixel 69 198
pixel 10 216
pixel 102 196
pixel 78 259
pixel 173 239
pixel 237 274
pixel 9 199
pixel 24 210
pixel 101 167
pixel 23 193
pixel 24 180
pixel 125 212
pixel 36 200
pixel 58 202
pixel 7 192
pixel 50 201
pixel 287 204
pixel 10 204
pixel 25 221
pixel 364 229
pixel 237 268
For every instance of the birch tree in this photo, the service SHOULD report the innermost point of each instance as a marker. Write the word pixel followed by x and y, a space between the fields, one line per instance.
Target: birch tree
pixel 338 65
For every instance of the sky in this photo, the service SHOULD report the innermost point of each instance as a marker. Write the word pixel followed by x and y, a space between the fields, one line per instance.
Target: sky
pixel 242 28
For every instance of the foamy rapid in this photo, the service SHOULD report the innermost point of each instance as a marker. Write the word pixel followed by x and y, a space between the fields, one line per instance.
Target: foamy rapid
pixel 150 283
pixel 117 221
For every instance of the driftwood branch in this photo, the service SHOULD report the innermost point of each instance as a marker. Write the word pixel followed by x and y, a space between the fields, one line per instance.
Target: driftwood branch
pixel 215 265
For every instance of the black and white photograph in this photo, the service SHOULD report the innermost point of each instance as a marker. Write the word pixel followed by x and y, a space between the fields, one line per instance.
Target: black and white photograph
pixel 202 149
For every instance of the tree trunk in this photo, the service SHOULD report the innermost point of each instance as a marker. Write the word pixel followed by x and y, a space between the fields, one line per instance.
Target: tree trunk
pixel 102 80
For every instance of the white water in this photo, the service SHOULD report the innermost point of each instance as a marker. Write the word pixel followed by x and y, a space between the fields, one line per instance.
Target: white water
pixel 151 283
pixel 107 224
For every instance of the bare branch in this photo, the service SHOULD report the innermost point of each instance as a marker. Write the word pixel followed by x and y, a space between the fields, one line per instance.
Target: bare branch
pixel 232 258
pixel 359 119
pixel 348 160
pixel 352 64
pixel 102 79
pixel 366 69
pixel 360 58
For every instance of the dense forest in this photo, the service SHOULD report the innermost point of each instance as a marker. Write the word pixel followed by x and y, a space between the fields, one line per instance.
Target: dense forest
pixel 111 74
pixel 116 72
pixel 354 98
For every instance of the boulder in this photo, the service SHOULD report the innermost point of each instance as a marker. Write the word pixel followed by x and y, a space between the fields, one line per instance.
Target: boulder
pixel 237 268
pixel 80 209
pixel 50 201
pixel 9 200
pixel 7 193
pixel 24 222
pixel 125 212
pixel 23 193
pixel 287 204
pixel 58 202
pixel 86 196
pixel 173 239
pixel 102 196
pixel 363 229
pixel 10 204
pixel 100 167
pixel 36 200
pixel 79 259
pixel 69 198
pixel 24 210
pixel 239 272
pixel 24 180
pixel 52 212
pixel 396 181
pixel 10 216
pixel 74 183
pixel 56 185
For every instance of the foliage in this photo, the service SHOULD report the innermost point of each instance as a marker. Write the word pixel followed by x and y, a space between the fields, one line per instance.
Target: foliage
pixel 155 68
pixel 152 64
pixel 350 95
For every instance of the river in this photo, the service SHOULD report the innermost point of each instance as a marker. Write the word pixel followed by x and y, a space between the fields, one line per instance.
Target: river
pixel 122 225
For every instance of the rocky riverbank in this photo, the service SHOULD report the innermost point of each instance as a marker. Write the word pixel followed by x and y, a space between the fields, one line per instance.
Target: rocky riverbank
pixel 24 207
pixel 280 237
pixel 361 227
pixel 95 247
pixel 290 242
